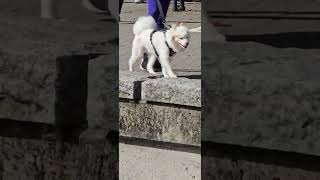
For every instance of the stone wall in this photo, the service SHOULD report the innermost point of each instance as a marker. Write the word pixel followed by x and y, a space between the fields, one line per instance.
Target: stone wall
pixel 58 87
pixel 261 107
pixel 160 109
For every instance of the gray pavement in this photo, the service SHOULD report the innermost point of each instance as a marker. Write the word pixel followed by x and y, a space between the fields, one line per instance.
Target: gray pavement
pixel 147 163
pixel 189 60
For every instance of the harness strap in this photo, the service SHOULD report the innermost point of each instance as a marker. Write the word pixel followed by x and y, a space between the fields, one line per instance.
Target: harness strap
pixel 171 51
pixel 151 34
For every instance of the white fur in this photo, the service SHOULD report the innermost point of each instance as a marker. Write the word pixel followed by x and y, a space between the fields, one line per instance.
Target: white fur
pixel 144 23
pixel 177 37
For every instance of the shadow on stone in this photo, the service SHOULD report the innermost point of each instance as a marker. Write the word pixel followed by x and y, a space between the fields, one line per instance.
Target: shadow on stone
pixel 259 155
pixel 71 95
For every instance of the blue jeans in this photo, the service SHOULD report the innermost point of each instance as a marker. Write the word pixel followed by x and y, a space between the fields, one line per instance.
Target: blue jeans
pixel 153 11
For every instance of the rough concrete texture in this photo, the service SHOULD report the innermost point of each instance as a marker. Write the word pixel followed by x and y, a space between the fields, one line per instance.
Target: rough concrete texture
pixel 145 163
pixel 160 122
pixel 261 96
pixel 51 160
pixel 180 91
pixel 72 9
pixel 130 84
pixel 102 99
pixel 28 53
pixel 185 90
pixel 227 169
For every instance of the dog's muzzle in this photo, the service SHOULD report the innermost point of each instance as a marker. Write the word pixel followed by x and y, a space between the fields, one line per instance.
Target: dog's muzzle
pixel 187 44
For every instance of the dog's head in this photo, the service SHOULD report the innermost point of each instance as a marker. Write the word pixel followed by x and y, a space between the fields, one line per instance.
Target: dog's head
pixel 180 35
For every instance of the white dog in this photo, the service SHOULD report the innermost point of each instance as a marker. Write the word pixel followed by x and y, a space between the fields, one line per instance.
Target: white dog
pixel 157 44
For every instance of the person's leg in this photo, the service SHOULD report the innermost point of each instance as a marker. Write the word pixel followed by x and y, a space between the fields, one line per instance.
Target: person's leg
pixel 165 5
pixel 154 11
pixel 175 5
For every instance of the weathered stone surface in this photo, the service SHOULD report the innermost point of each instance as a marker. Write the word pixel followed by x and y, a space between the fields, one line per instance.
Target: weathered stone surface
pixel 140 162
pixel 162 123
pixel 102 100
pixel 28 53
pixel 185 90
pixel 60 9
pixel 234 169
pixel 130 84
pixel 180 91
pixel 261 96
pixel 40 159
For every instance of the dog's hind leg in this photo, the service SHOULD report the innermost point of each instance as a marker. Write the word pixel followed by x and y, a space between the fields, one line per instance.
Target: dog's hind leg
pixel 137 53
pixel 151 61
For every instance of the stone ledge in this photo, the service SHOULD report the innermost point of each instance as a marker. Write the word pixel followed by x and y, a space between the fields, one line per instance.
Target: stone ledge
pixel 62 160
pixel 130 84
pixel 185 90
pixel 260 96
pixel 160 123
pixel 34 63
pixel 159 109
pixel 180 91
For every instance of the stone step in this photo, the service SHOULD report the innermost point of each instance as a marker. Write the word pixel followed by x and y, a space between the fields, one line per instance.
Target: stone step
pixel 155 108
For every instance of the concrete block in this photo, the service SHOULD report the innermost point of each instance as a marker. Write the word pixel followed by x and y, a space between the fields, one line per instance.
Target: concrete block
pixel 181 91
pixel 231 169
pixel 260 96
pixel 130 84
pixel 102 100
pixel 33 61
pixel 160 123
pixel 38 159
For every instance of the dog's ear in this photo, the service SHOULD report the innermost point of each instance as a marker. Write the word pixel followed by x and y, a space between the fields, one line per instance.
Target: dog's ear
pixel 179 23
pixel 173 26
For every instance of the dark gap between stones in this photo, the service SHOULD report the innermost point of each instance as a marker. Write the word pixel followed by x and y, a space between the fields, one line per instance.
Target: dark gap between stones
pixel 25 130
pixel 260 155
pixel 125 100
pixel 191 76
pixel 71 95
pixel 160 144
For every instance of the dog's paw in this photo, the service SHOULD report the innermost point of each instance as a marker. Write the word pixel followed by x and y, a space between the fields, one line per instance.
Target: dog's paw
pixel 151 71
pixel 142 68
pixel 173 76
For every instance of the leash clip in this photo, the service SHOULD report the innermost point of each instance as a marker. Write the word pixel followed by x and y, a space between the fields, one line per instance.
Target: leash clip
pixel 166 26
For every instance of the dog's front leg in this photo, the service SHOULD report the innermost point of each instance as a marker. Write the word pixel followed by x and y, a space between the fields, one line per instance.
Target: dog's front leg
pixel 151 61
pixel 166 66
pixel 165 75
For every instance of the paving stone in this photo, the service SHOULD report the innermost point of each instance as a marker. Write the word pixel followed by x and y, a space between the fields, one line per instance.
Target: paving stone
pixel 181 91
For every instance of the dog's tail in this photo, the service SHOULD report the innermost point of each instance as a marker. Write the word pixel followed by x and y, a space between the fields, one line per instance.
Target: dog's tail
pixel 144 23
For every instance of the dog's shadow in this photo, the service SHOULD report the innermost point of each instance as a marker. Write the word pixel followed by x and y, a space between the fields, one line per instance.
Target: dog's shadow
pixel 191 76
pixel 182 76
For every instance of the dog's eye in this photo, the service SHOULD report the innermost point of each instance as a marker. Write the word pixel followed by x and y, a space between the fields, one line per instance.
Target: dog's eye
pixel 181 38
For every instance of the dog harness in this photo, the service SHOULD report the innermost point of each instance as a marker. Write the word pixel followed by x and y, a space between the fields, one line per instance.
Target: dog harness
pixel 171 51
